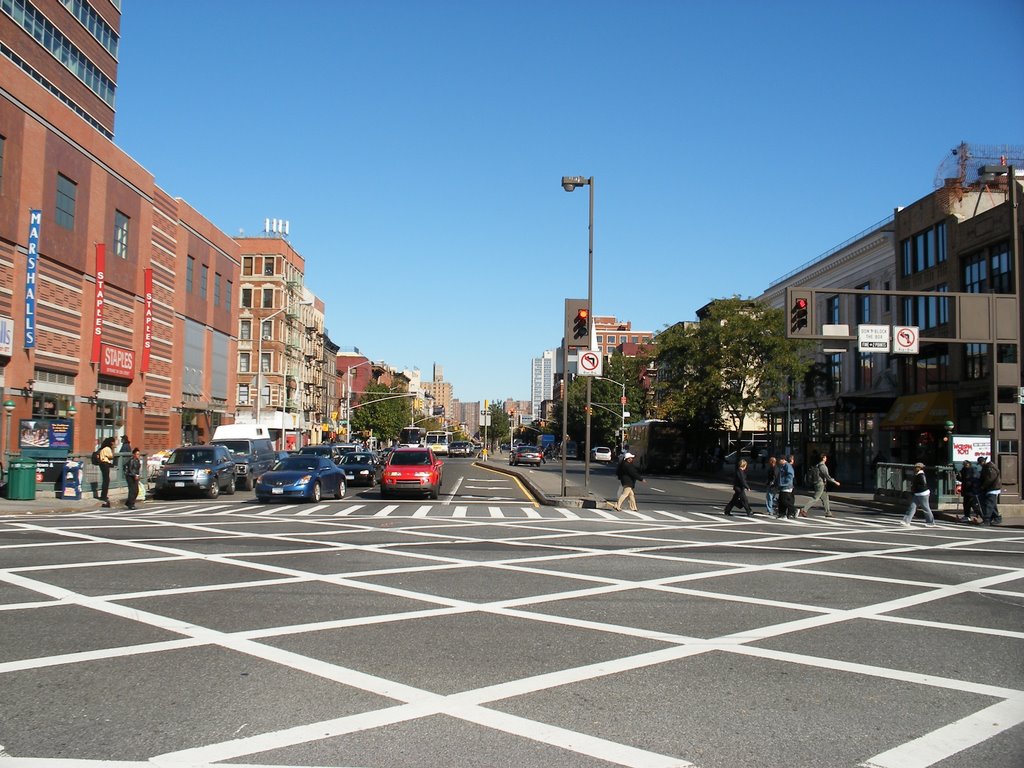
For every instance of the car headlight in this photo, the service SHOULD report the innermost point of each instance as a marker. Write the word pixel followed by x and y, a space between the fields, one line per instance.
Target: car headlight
pixel 421 474
pixel 304 480
pixel 393 474
pixel 202 473
pixel 364 471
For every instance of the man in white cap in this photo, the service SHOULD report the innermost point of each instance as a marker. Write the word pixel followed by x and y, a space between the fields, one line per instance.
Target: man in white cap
pixel 628 475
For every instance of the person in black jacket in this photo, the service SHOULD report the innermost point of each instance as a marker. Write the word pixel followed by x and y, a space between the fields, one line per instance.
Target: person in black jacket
pixel 739 490
pixel 990 486
pixel 629 476
pixel 920 494
pixel 132 473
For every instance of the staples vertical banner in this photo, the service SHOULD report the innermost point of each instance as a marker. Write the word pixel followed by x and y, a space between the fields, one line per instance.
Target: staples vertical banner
pixel 35 221
pixel 97 325
pixel 147 333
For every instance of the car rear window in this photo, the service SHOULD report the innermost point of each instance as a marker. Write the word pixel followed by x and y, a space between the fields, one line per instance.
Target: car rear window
pixel 410 458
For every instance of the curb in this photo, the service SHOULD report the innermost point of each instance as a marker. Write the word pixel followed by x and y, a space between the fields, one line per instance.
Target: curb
pixel 584 500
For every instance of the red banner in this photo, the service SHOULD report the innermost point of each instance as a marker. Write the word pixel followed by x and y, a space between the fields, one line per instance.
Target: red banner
pixel 147 333
pixel 97 325
pixel 117 361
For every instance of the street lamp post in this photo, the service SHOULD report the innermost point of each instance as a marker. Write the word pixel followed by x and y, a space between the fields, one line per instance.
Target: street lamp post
pixel 9 408
pixel 622 402
pixel 259 355
pixel 569 183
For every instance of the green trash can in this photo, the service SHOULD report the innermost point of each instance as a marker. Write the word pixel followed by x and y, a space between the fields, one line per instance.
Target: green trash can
pixel 21 479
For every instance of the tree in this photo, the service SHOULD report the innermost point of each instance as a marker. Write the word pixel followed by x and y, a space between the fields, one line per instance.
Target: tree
pixel 381 410
pixel 735 362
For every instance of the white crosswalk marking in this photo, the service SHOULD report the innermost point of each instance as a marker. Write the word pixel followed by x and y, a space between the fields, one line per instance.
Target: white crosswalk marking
pixel 495 511
pixel 566 513
pixel 349 510
pixel 311 510
pixel 531 512
pixel 422 511
pixel 387 510
pixel 460 511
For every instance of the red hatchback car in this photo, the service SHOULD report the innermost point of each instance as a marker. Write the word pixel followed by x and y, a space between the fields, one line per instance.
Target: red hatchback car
pixel 412 470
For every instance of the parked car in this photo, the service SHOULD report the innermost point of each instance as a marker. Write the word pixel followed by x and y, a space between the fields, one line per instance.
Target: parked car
pixel 461 448
pixel 359 468
pixel 601 453
pixel 193 469
pixel 526 454
pixel 301 476
pixel 253 456
pixel 415 470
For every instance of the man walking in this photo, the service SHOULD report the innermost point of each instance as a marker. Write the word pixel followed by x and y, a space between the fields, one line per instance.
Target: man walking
pixel 132 473
pixel 739 490
pixel 920 493
pixel 628 475
pixel 821 480
pixel 991 485
pixel 786 480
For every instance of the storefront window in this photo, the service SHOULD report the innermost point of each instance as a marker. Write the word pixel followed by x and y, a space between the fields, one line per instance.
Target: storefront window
pixel 46 405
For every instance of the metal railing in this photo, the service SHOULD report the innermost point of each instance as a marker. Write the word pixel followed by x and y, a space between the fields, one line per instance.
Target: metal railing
pixel 893 483
pixel 92 478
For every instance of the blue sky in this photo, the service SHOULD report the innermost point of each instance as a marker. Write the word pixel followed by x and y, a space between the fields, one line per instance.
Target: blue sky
pixel 416 148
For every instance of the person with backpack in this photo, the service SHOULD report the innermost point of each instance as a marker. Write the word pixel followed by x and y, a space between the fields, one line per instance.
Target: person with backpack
pixel 969 481
pixel 990 486
pixel 920 494
pixel 819 478
pixel 106 460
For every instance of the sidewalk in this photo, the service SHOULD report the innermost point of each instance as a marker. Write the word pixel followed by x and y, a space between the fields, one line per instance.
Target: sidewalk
pixel 547 487
pixel 47 503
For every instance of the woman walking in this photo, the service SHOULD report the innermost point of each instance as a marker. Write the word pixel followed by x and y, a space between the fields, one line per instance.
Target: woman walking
pixel 739 490
pixel 771 494
pixel 919 498
pixel 106 462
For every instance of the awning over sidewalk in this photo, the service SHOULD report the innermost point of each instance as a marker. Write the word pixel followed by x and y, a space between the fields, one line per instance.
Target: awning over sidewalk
pixel 925 410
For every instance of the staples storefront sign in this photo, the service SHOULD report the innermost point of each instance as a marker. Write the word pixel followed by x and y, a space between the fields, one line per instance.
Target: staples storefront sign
pixel 117 361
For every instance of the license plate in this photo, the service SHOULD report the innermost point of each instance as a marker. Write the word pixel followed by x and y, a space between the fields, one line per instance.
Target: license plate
pixel 179 485
pixel 277 490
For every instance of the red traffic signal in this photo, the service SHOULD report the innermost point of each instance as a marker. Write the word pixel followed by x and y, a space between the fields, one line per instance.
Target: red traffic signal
pixel 800 322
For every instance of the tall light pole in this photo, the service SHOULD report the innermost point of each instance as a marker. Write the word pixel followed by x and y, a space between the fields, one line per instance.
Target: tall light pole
pixel 348 397
pixel 9 409
pixel 569 183
pixel 259 354
pixel 622 402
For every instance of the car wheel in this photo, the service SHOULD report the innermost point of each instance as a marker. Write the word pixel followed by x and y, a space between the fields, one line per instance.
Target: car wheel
pixel 315 494
pixel 231 487
pixel 214 490
pixel 434 492
pixel 339 494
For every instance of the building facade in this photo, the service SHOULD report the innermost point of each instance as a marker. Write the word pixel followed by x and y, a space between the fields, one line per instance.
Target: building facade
pixel 92 249
pixel 542 380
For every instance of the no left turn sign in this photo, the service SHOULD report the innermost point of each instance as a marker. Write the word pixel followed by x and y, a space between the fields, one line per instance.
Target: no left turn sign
pixel 590 363
pixel 905 339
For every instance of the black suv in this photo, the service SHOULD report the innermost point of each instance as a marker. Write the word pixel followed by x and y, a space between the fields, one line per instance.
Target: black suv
pixel 253 457
pixel 190 469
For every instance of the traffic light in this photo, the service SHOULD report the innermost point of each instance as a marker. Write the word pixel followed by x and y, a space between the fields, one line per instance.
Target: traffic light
pixel 800 312
pixel 577 323
pixel 581 325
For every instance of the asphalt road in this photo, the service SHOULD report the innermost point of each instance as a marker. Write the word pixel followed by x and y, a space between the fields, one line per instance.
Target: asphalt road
pixel 481 630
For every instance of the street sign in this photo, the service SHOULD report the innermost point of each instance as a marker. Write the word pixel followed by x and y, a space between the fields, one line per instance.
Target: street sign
pixel 873 338
pixel 590 363
pixel 905 339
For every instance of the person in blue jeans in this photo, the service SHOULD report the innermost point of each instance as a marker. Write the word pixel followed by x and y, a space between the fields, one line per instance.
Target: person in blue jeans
pixel 787 479
pixel 920 493
pixel 772 490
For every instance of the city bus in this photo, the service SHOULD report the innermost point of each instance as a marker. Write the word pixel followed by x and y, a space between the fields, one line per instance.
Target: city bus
pixel 437 441
pixel 411 437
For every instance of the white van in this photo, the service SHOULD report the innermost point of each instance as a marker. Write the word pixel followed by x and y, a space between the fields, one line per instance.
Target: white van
pixel 241 432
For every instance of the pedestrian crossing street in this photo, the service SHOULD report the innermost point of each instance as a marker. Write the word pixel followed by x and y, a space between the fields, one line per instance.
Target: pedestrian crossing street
pixel 371 509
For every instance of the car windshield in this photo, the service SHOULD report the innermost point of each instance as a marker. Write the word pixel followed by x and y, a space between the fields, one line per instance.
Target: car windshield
pixel 317 450
pixel 298 463
pixel 356 458
pixel 237 447
pixel 410 458
pixel 192 456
